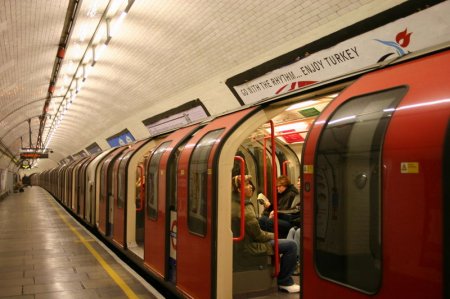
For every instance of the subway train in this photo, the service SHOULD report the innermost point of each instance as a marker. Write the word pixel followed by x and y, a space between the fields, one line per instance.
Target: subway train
pixel 371 149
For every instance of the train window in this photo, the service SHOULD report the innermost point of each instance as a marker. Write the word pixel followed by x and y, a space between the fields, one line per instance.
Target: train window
pixel 171 194
pixel 152 181
pixel 102 183
pixel 122 179
pixel 348 190
pixel 198 182
pixel 110 180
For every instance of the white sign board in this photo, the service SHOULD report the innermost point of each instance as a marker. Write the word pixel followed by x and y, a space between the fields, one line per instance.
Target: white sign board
pixel 415 32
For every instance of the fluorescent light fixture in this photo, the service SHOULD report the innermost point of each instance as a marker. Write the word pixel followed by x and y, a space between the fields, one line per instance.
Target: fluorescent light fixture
pixel 84 72
pixel 117 23
pixel 83 33
pixel 66 80
pixel 301 105
pixel 71 67
pixel 299 127
pixel 92 10
pixel 78 50
pixel 116 4
pixel 97 52
pixel 79 85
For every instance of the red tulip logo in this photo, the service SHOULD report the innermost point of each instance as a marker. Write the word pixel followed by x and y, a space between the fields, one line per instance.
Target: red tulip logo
pixel 403 38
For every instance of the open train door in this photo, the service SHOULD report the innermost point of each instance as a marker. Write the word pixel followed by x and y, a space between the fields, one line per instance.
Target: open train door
pixel 197 207
pixel 92 183
pixel 121 172
pixel 76 195
pixel 160 207
pixel 372 186
pixel 106 192
pixel 82 186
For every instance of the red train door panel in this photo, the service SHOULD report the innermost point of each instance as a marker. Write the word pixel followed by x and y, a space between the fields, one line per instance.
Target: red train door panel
pixel 69 185
pixel 77 185
pixel 195 224
pixel 105 191
pixel 158 203
pixel 372 178
pixel 120 196
pixel 82 186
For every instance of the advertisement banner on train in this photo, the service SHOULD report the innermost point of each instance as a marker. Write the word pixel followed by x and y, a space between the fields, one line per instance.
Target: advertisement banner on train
pixel 384 43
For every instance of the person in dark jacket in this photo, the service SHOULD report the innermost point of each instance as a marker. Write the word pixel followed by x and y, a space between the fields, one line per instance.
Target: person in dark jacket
pixel 286 195
pixel 259 242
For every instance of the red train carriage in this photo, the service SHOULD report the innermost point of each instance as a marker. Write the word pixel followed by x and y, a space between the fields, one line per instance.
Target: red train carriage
pixel 373 186
pixel 373 195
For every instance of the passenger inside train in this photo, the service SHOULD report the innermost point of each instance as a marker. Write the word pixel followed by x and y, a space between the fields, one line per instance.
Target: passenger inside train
pixel 257 242
pixel 287 211
pixel 140 200
pixel 294 234
pixel 294 231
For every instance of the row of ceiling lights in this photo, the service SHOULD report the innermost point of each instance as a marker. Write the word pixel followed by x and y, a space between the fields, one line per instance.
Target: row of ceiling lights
pixel 110 21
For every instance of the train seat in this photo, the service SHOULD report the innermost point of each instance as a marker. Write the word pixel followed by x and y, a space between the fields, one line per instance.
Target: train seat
pixel 252 275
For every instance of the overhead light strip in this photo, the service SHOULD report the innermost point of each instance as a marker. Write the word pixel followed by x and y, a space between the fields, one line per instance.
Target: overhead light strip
pixel 112 23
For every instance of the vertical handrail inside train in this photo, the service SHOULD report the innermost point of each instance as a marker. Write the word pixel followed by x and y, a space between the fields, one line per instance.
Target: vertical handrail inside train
pixel 141 188
pixel 274 199
pixel 265 166
pixel 242 222
pixel 285 163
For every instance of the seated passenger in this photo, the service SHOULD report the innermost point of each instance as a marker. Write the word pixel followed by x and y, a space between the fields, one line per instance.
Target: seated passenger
pixel 294 234
pixel 286 195
pixel 258 242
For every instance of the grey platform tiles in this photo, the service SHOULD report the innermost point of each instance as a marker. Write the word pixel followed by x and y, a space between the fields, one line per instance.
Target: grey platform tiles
pixel 44 253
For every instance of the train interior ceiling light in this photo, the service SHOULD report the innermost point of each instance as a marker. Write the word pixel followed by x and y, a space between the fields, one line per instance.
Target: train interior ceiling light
pixel 292 125
pixel 83 54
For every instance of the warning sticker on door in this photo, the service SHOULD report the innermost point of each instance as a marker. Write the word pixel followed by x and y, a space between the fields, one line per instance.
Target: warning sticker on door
pixel 409 167
pixel 309 169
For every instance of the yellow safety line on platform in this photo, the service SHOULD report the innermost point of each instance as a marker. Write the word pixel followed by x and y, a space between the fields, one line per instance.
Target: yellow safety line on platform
pixel 118 280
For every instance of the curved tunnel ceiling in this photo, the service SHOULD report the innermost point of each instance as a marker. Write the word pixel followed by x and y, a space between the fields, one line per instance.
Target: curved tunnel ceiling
pixel 164 54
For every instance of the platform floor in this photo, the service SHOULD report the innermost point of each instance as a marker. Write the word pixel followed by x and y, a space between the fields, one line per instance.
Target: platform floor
pixel 45 253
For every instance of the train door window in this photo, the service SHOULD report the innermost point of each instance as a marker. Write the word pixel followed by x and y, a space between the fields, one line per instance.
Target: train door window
pixel 103 191
pixel 140 186
pixel 348 190
pixel 152 181
pixel 122 180
pixel 172 176
pixel 198 183
pixel 81 175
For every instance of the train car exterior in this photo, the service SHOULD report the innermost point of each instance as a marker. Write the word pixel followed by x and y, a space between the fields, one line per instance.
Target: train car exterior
pixel 373 186
pixel 92 193
pixel 370 150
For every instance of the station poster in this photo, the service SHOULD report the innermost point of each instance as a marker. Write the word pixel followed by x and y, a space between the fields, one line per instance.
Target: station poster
pixel 121 138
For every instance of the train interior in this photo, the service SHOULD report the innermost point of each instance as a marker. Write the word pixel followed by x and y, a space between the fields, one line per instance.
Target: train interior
pixel 133 165
pixel 290 129
pixel 344 154
pixel 253 276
